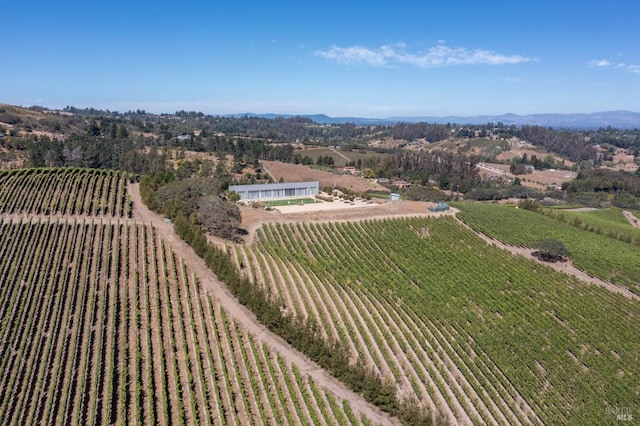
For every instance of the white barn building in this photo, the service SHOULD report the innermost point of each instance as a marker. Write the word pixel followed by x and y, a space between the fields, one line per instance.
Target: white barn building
pixel 276 190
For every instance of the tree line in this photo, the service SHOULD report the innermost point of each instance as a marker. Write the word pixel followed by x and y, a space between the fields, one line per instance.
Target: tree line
pixel 304 334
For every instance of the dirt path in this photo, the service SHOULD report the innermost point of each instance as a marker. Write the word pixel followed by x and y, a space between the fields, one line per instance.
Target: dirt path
pixel 565 267
pixel 340 154
pixel 633 220
pixel 244 317
pixel 253 219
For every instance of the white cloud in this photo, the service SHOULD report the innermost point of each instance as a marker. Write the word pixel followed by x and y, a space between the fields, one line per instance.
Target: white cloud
pixel 604 63
pixel 354 55
pixel 434 57
pixel 633 69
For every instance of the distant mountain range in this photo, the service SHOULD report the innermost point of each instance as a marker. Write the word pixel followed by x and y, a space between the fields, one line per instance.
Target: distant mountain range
pixel 616 119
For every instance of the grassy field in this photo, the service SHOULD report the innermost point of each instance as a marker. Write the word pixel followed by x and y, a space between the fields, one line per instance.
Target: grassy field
pixel 291 202
pixel 339 155
pixel 609 221
pixel 489 143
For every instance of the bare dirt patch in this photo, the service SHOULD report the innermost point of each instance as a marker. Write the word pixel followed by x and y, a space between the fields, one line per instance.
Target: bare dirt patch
pixel 537 179
pixel 622 160
pixel 252 218
pixel 297 172
pixel 550 177
pixel 633 219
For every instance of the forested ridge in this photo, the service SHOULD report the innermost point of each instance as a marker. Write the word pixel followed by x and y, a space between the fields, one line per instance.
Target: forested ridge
pixel 444 156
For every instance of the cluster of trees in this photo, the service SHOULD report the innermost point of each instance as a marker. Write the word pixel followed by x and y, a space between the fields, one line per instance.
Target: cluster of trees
pixel 487 191
pixel 550 250
pixel 447 169
pixel 600 186
pixel 299 159
pixel 9 118
pixel 518 163
pixel 119 153
pixel 201 199
pixel 413 131
pixel 325 161
pixel 280 129
pixel 627 139
pixel 605 180
pixel 564 142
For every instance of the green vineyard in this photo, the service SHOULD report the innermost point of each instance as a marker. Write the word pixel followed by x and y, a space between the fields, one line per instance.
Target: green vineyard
pixel 66 191
pixel 474 333
pixel 599 254
pixel 103 324
pixel 105 319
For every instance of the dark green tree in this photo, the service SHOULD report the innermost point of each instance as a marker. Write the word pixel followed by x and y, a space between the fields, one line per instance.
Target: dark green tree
pixel 550 250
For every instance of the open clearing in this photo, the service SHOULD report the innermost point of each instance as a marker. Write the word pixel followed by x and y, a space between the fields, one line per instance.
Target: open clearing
pixel 289 172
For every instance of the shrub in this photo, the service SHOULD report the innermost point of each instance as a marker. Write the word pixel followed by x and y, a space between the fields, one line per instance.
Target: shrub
pixel 550 250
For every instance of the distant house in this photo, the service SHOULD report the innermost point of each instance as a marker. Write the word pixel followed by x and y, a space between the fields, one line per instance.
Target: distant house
pixel 184 137
pixel 276 190
pixel 349 169
pixel 394 196
pixel 528 168
pixel 382 180
pixel 401 184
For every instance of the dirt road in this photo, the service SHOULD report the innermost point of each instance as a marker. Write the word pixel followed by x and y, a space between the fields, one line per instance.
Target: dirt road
pixel 633 220
pixel 246 319
pixel 565 267
pixel 254 218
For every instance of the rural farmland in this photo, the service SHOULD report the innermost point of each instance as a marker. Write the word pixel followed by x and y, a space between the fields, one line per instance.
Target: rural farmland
pixel 103 322
pixel 283 213
pixel 476 334
pixel 108 315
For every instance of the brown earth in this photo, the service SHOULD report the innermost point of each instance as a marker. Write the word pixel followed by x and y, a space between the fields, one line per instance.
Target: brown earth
pixel 622 160
pixel 633 219
pixel 252 218
pixel 537 179
pixel 297 172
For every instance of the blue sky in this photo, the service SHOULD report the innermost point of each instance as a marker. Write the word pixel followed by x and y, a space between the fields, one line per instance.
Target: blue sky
pixel 343 58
